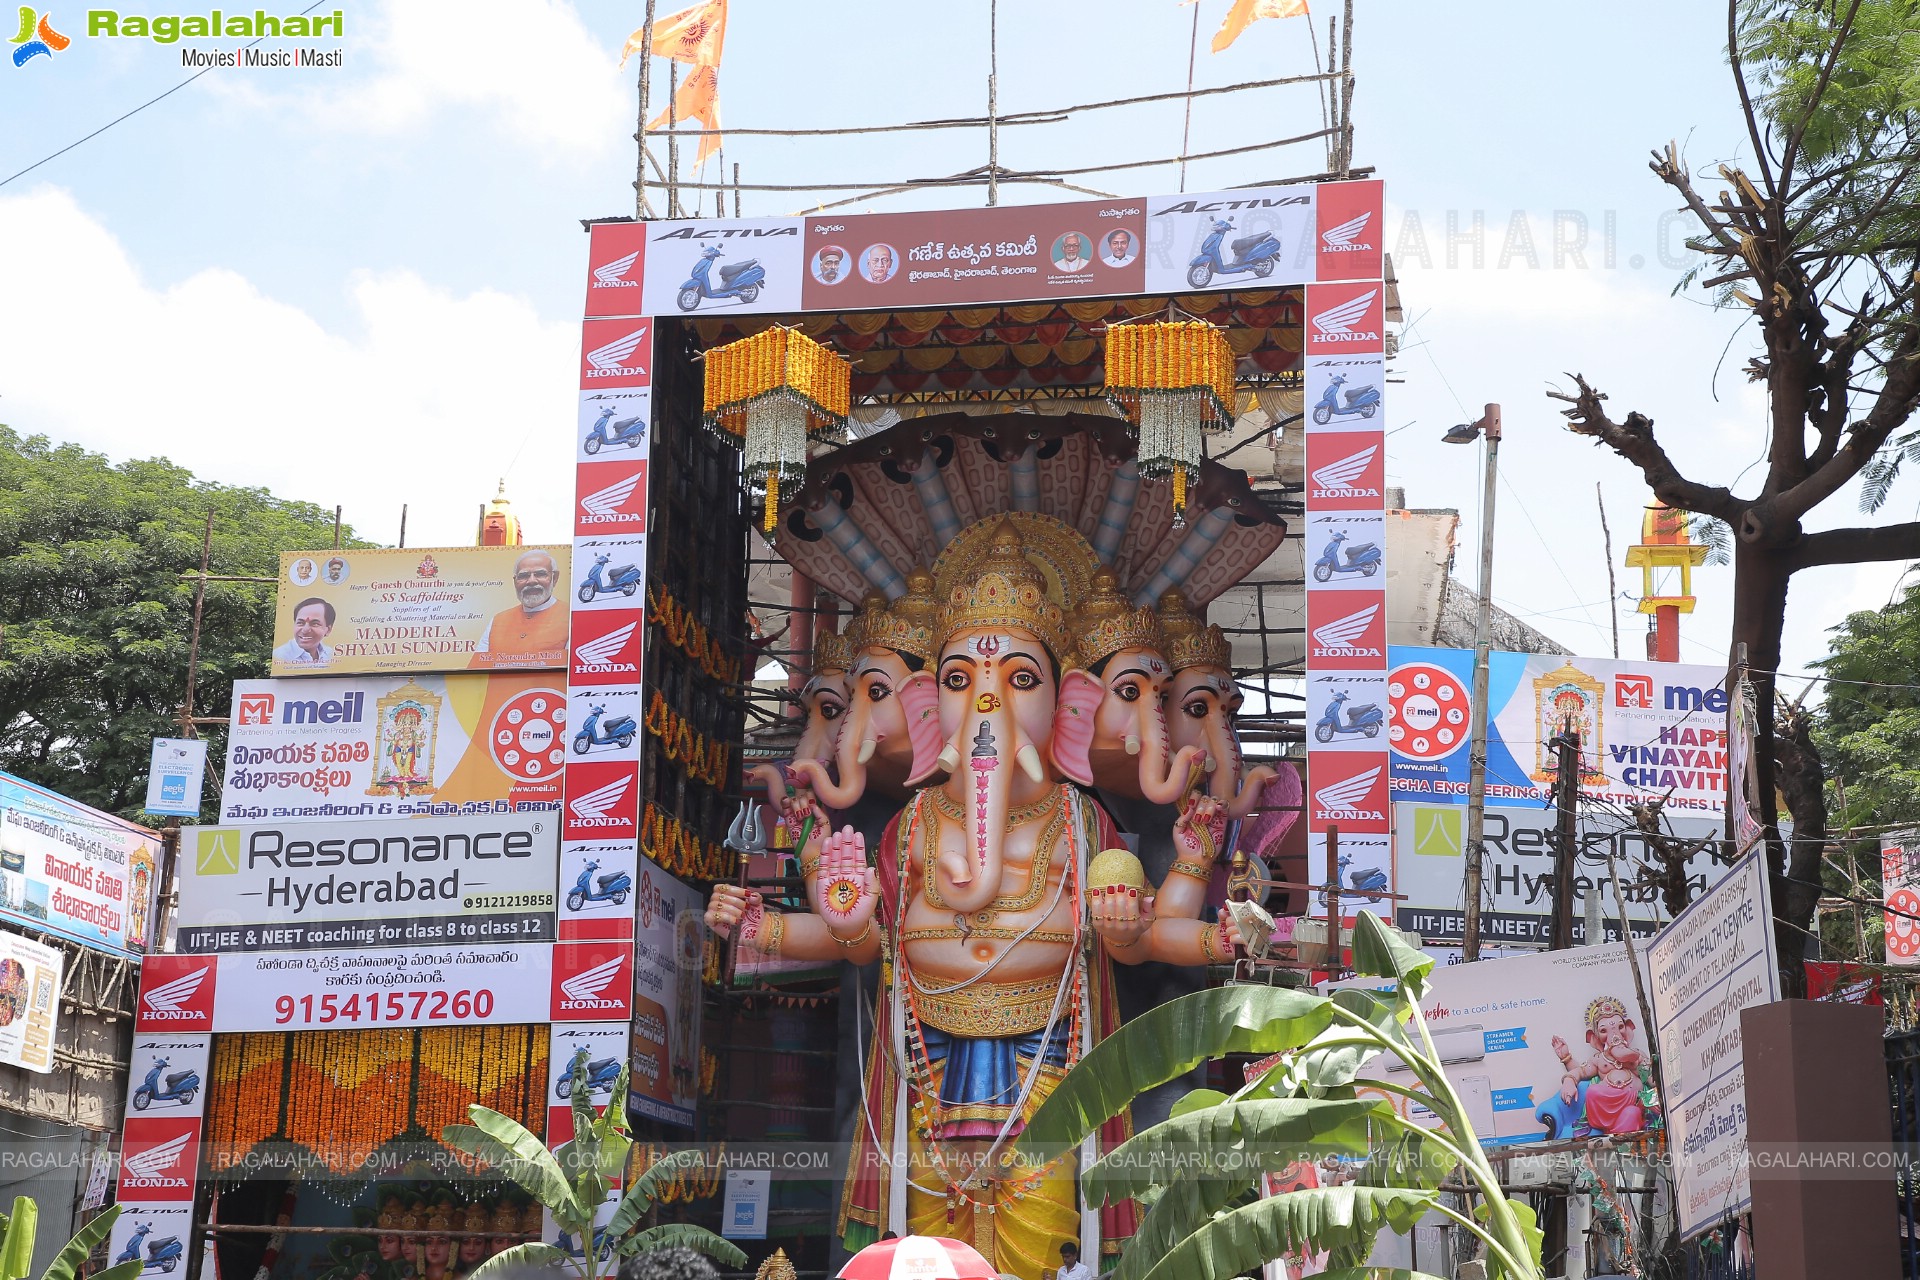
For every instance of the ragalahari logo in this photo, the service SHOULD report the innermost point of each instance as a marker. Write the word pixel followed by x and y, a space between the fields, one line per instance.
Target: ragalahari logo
pixel 1336 323
pixel 610 359
pixel 36 37
pixel 613 275
pixel 1341 239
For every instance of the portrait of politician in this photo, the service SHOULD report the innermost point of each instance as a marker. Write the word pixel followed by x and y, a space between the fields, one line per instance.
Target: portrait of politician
pixel 830 264
pixel 878 263
pixel 312 624
pixel 533 633
pixel 1119 249
pixel 1070 252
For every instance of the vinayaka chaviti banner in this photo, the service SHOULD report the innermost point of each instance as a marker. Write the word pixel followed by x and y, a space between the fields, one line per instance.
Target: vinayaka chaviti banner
pixel 438 609
pixel 75 871
pixel 395 747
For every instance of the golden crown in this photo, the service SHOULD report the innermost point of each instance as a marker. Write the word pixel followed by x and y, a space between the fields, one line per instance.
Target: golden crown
pixel 831 652
pixel 1191 642
pixel 909 625
pixel 1603 1007
pixel 1006 590
pixel 1106 622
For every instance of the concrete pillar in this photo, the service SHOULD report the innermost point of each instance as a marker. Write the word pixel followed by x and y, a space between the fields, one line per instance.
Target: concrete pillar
pixel 1817 1083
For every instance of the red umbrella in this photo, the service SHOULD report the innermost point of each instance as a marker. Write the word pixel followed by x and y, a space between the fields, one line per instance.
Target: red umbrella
pixel 918 1258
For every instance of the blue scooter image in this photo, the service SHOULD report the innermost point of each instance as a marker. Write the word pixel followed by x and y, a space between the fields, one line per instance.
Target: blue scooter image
pixel 614 887
pixel 625 579
pixel 162 1255
pixel 594 733
pixel 631 432
pixel 739 280
pixel 1256 253
pixel 600 1075
pixel 181 1086
pixel 1364 401
pixel 1362 558
pixel 602 1243
pixel 1365 880
pixel 1365 718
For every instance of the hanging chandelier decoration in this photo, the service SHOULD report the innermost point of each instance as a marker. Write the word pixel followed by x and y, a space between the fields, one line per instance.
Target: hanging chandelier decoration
pixel 770 394
pixel 1173 379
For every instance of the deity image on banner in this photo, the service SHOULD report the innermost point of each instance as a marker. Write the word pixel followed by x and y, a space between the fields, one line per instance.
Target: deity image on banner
pixel 1569 694
pixel 407 722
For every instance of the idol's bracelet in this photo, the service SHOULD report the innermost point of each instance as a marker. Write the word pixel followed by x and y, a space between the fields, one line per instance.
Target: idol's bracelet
pixel 851 943
pixel 1213 945
pixel 808 866
pixel 1191 867
pixel 773 930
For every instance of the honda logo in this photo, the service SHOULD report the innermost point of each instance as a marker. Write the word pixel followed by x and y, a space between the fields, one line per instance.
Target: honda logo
pixel 607 505
pixel 1336 479
pixel 163 1003
pixel 1342 636
pixel 610 360
pixel 1341 239
pixel 1335 324
pixel 1349 800
pixel 597 656
pixel 614 275
pixel 592 808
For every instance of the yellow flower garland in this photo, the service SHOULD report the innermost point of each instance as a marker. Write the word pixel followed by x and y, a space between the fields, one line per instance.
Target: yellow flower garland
pixel 688 636
pixel 704 759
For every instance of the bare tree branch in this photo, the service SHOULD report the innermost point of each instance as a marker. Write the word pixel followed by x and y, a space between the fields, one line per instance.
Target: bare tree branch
pixel 1633 440
pixel 1856 546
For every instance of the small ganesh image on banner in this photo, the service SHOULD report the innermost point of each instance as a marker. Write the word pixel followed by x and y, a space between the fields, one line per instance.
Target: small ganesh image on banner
pixel 407 722
pixel 1563 696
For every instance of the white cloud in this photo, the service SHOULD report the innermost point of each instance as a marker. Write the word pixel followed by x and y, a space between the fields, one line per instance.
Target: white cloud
pixel 428 404
pixel 529 67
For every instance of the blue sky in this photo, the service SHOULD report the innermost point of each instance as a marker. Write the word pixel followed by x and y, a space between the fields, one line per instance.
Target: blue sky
pixel 361 285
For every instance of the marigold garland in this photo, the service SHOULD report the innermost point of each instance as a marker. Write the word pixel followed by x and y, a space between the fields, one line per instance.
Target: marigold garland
pixel 686 634
pixel 704 759
pixel 674 845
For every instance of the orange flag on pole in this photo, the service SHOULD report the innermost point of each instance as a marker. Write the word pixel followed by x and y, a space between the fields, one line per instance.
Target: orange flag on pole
pixel 693 35
pixel 698 99
pixel 1247 12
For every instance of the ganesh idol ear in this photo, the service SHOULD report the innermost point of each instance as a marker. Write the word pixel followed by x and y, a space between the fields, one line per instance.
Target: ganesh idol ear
pixel 920 701
pixel 1080 695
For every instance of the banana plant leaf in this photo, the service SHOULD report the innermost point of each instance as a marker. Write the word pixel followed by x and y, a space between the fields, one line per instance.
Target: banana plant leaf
pixel 67 1263
pixel 642 1192
pixel 1258 1135
pixel 519 1260
pixel 1177 1213
pixel 505 1144
pixel 1163 1045
pixel 685 1234
pixel 1530 1231
pixel 1323 1218
pixel 16 1251
pixel 1378 951
pixel 1376 1273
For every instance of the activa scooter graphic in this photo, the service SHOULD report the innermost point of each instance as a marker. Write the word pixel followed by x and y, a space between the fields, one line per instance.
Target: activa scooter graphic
pixel 162 1255
pixel 597 731
pixel 1365 880
pixel 1365 718
pixel 1363 401
pixel 1362 558
pixel 612 887
pixel 601 1073
pixel 1256 253
pixel 740 280
pixel 180 1087
pixel 625 579
pixel 631 432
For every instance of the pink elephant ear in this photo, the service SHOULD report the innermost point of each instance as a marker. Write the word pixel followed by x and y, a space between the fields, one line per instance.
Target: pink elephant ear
pixel 1080 694
pixel 1284 792
pixel 920 702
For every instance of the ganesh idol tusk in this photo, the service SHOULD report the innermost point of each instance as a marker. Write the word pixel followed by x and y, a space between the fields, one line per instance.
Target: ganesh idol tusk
pixel 1132 744
pixel 1029 761
pixel 867 747
pixel 949 758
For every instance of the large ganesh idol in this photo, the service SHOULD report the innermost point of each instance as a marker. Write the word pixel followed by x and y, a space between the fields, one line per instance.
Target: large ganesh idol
pixel 823 704
pixel 998 910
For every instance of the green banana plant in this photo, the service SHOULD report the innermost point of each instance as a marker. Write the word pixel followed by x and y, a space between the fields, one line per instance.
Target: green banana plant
pixel 17 1231
pixel 1213 1224
pixel 573 1181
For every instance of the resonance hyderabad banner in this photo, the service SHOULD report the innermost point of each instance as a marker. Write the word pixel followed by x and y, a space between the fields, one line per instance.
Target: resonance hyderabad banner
pixel 395 747
pixel 441 609
pixel 75 871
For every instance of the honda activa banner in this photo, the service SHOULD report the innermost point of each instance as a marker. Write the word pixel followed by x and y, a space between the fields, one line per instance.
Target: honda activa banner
pixel 317 886
pixel 393 747
pixel 75 871
pixel 1646 728
pixel 444 609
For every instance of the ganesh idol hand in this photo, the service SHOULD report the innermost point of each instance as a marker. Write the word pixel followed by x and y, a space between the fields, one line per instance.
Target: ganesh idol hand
pixel 732 909
pixel 1198 815
pixel 844 893
pixel 1122 915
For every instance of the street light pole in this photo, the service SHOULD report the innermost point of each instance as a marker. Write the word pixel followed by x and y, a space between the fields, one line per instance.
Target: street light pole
pixel 1489 425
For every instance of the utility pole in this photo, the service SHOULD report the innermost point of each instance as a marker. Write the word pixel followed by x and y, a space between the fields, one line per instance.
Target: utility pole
pixel 1465 433
pixel 1566 796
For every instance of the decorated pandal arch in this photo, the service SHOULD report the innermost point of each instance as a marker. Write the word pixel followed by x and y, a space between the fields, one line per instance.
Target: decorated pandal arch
pixel 1017 782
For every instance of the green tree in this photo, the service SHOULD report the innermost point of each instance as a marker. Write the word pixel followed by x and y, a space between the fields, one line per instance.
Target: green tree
pixel 1199 1172
pixel 1817 241
pixel 95 617
pixel 573 1181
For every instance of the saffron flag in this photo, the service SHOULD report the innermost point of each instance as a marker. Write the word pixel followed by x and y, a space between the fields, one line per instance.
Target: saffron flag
pixel 693 35
pixel 1247 12
pixel 697 99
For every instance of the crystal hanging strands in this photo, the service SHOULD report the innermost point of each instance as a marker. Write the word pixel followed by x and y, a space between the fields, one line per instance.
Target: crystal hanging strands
pixel 774 453
pixel 1173 380
pixel 771 393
